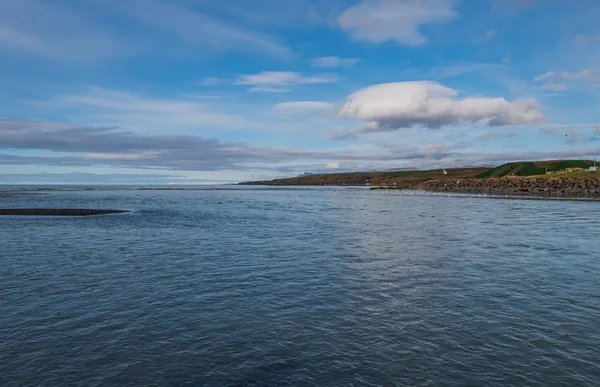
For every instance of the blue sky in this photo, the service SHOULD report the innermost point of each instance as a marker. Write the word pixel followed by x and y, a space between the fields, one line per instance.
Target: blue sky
pixel 200 91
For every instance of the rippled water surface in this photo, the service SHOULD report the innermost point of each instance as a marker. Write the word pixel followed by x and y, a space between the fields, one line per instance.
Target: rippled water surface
pixel 302 287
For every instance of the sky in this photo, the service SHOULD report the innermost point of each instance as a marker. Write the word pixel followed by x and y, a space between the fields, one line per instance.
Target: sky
pixel 203 91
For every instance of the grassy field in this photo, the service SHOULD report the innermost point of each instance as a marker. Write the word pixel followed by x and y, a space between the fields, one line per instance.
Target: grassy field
pixel 534 168
pixel 570 174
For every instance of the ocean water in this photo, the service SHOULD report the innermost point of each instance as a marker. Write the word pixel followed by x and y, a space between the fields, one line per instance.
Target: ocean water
pixel 271 287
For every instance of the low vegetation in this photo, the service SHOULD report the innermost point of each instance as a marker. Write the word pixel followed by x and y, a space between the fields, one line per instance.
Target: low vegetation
pixel 374 178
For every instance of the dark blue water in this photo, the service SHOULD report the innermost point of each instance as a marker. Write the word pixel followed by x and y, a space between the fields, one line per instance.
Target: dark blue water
pixel 300 287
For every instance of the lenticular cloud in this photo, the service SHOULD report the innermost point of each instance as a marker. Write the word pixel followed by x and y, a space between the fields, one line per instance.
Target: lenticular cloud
pixel 392 106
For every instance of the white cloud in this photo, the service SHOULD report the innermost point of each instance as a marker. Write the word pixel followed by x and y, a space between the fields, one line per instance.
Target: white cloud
pixel 269 78
pixel 281 81
pixel 377 21
pixel 282 78
pixel 210 81
pixel 598 129
pixel 333 166
pixel 267 89
pixel 334 61
pixel 391 106
pixel 555 81
pixel 303 105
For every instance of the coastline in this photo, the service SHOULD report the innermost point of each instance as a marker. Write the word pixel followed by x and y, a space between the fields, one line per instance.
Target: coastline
pixel 554 187
pixel 57 212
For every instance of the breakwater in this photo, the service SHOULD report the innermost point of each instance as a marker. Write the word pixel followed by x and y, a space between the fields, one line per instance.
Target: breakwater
pixel 553 186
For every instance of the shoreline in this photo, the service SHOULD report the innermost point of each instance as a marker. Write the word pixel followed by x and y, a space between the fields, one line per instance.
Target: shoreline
pixel 486 195
pixel 57 212
pixel 553 187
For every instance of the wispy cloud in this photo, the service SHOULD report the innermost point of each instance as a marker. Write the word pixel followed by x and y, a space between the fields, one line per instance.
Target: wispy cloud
pixel 556 81
pixel 268 89
pixel 334 62
pixel 58 31
pixel 284 78
pixel 201 29
pixel 565 75
pixel 281 81
pixel 303 105
pixel 72 31
pixel 587 40
pixel 210 81
pixel 554 87
pixel 456 68
pixel 117 108
pixel 377 21
pixel 489 35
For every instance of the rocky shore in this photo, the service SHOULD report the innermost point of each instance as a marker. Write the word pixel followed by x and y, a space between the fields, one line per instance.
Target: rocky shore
pixel 57 211
pixel 548 187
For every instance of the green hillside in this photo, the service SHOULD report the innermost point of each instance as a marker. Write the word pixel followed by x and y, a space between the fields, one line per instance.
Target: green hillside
pixel 409 178
pixel 532 168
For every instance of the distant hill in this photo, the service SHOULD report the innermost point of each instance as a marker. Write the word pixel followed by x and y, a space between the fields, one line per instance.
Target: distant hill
pixel 374 178
pixel 532 168
pixel 401 169
pixel 414 177
pixel 305 174
pixel 480 166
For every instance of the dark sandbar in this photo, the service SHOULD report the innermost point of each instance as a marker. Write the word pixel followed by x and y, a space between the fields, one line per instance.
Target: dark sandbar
pixel 57 211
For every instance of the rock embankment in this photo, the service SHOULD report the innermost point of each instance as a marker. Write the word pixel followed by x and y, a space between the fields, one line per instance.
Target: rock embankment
pixel 553 186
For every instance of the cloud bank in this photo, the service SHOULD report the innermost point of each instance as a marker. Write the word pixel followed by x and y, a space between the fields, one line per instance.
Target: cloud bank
pixel 392 106
pixel 69 146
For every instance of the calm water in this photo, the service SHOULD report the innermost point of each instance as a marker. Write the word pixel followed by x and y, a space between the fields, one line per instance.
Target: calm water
pixel 302 287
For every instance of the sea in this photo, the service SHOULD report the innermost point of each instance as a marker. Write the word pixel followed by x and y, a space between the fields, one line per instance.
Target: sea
pixel 262 286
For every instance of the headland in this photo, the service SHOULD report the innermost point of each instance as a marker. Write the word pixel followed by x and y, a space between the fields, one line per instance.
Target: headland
pixel 554 178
